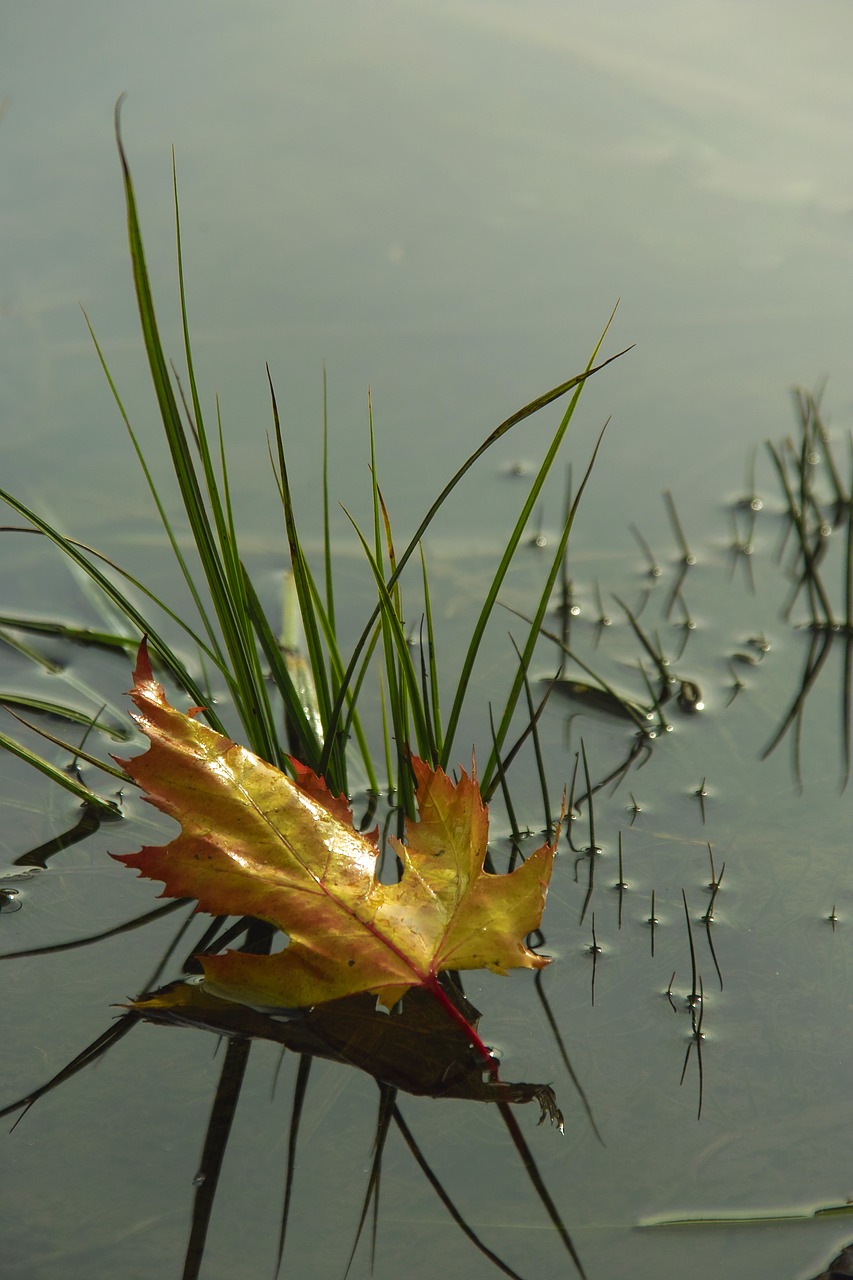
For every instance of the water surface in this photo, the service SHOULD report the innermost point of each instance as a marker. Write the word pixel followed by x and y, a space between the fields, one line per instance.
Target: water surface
pixel 445 202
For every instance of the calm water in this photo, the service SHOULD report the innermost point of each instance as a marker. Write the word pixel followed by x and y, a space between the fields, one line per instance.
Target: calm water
pixel 445 202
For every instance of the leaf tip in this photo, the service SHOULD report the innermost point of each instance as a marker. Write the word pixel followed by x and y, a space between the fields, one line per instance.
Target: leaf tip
pixel 142 673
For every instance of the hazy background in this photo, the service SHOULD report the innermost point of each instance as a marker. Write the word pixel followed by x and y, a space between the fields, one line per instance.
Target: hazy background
pixel 441 200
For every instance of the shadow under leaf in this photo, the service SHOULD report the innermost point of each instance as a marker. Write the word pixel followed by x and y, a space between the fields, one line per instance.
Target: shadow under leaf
pixel 418 1050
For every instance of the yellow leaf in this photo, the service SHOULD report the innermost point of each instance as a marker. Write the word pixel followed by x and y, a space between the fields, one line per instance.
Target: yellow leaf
pixel 255 843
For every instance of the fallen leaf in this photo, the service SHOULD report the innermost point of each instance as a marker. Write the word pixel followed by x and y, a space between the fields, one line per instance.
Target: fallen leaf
pixel 255 843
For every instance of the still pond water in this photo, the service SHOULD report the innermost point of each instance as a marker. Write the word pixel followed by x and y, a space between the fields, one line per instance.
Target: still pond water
pixel 444 202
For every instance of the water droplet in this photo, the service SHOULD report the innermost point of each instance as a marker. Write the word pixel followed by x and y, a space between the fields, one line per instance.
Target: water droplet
pixel 199 1179
pixel 9 900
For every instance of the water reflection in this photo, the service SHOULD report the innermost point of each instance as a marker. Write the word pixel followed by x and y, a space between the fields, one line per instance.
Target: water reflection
pixel 633 711
pixel 416 1049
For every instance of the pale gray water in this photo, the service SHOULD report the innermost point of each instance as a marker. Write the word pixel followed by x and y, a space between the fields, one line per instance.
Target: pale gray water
pixel 445 201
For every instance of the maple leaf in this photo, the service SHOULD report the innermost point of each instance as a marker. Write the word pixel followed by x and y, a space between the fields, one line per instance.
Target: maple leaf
pixel 255 843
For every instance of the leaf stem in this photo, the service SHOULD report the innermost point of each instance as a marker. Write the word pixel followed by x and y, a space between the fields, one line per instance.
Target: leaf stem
pixel 437 991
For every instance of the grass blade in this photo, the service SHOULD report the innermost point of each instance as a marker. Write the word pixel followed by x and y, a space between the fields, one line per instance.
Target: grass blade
pixel 527 411
pixel 539 615
pixel 59 776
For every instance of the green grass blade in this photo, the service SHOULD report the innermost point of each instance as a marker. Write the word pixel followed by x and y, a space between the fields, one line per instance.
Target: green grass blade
pixel 27 651
pixel 398 696
pixel 538 618
pixel 391 619
pixel 502 765
pixel 386 735
pixel 78 635
pixel 432 660
pixel 157 644
pixel 57 775
pixel 161 511
pixel 503 567
pixel 308 745
pixel 216 550
pixel 327 538
pixel 352 723
pixel 616 702
pixel 76 752
pixel 333 761
pixel 527 411
pixel 121 603
pixel 60 712
pixel 533 723
pixel 169 412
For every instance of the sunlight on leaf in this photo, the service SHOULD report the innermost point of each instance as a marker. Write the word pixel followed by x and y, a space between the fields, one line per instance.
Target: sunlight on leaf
pixel 253 842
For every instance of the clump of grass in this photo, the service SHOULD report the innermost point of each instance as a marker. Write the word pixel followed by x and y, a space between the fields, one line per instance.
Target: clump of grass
pixel 817 544
pixel 301 668
pixel 230 630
